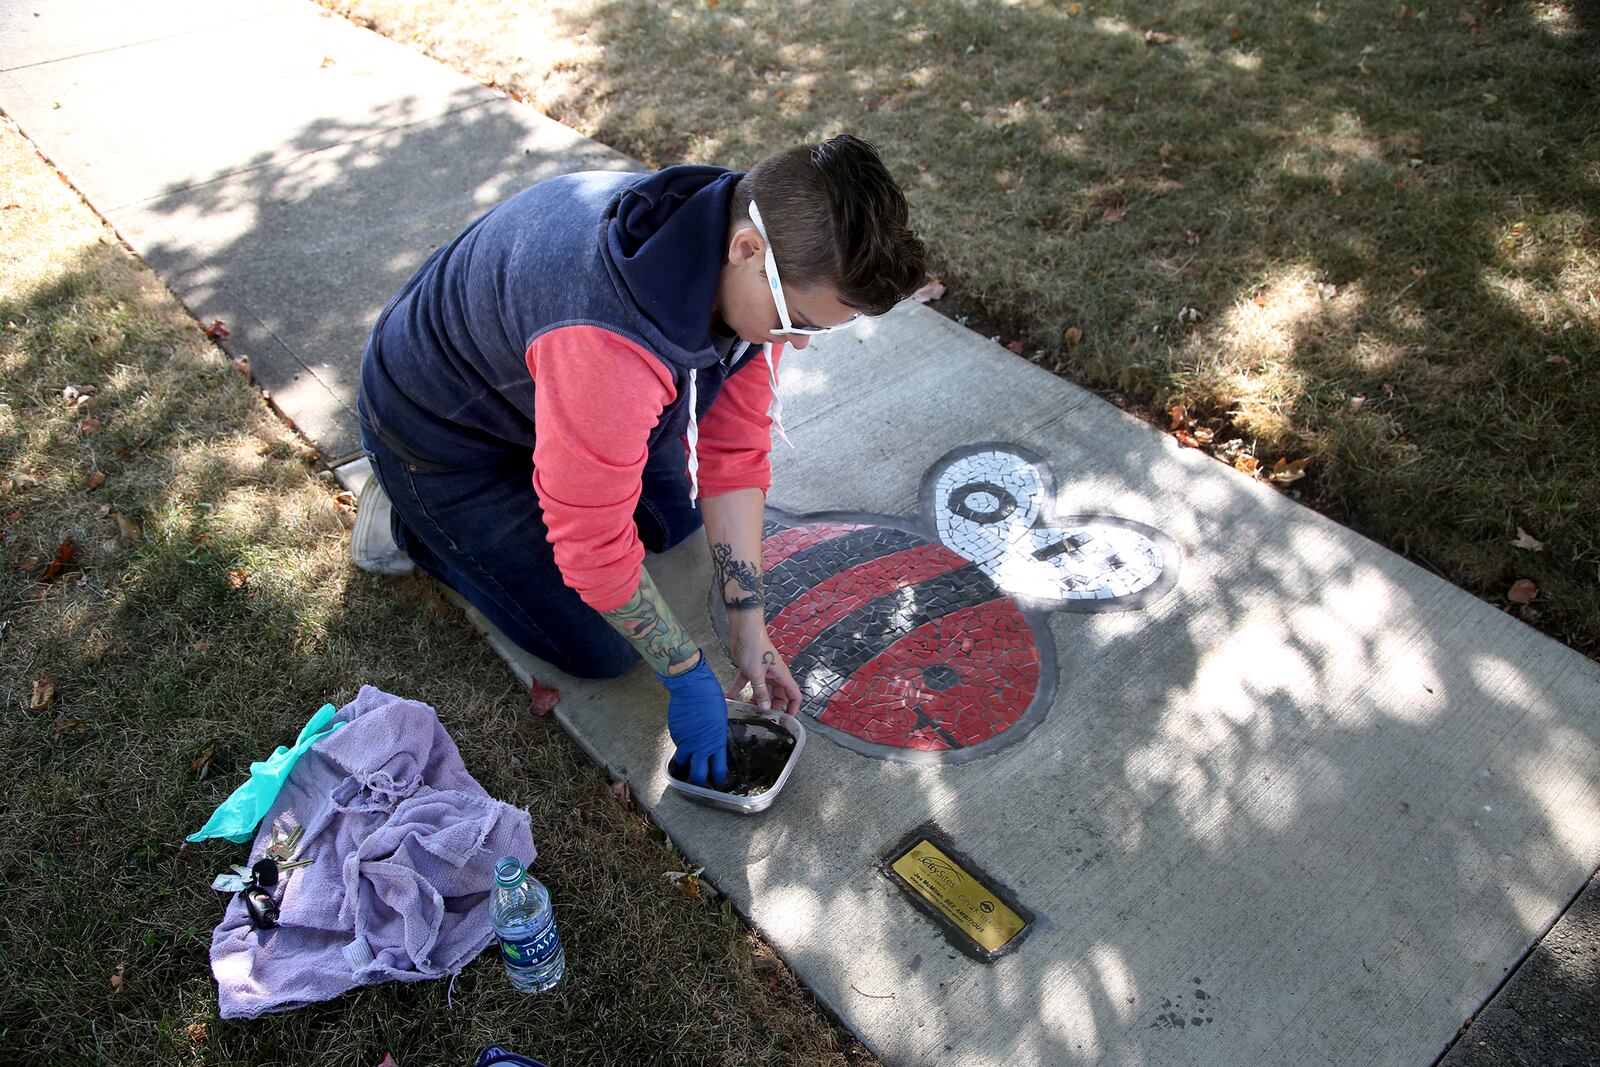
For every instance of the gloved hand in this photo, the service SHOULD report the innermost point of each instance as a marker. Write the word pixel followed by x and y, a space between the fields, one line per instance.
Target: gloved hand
pixel 697 719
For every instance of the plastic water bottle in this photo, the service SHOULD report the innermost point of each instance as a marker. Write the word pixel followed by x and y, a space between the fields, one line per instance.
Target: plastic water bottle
pixel 520 911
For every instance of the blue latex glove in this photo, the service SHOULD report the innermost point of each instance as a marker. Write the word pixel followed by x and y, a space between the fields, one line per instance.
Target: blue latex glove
pixel 697 719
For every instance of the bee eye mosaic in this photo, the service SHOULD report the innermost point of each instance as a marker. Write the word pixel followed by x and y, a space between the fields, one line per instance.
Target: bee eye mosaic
pixel 925 639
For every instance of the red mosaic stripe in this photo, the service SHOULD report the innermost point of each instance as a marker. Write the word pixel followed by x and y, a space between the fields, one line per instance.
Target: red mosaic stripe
pixel 991 648
pixel 785 543
pixel 825 603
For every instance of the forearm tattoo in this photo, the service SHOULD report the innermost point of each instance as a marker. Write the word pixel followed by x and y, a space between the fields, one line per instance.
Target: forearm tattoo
pixel 649 625
pixel 739 578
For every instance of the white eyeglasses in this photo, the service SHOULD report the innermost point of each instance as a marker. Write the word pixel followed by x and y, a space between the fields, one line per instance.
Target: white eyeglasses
pixel 777 289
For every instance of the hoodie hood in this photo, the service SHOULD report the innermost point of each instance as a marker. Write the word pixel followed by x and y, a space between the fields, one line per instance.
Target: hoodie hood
pixel 665 242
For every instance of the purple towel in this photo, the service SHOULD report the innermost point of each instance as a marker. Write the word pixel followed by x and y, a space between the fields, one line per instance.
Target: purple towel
pixel 405 842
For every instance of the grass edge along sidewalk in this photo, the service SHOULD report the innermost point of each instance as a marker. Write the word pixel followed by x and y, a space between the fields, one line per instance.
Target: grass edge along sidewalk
pixel 208 608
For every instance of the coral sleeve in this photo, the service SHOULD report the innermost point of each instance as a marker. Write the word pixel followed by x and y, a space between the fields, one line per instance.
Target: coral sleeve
pixel 597 396
pixel 736 434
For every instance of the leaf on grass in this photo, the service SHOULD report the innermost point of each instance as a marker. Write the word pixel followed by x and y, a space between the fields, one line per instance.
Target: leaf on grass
pixel 542 699
pixel 96 480
pixel 1015 346
pixel 1528 541
pixel 1073 11
pixel 217 330
pixel 44 693
pixel 66 726
pixel 623 795
pixel 1284 471
pixel 1179 416
pixel 1115 214
pixel 127 529
pixel 1186 439
pixel 116 979
pixel 1204 434
pixel 102 511
pixel 1072 336
pixel 241 367
pixel 1187 314
pixel 686 883
pixel 63 560
pixel 932 290
pixel 1245 463
pixel 387 1061
pixel 1260 298
pixel 1158 37
pixel 195 1032
pixel 238 577
pixel 1522 591
pixel 1191 238
pixel 1236 34
pixel 89 427
pixel 202 761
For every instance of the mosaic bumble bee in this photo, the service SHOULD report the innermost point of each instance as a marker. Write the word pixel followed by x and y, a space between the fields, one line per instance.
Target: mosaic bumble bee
pixel 928 641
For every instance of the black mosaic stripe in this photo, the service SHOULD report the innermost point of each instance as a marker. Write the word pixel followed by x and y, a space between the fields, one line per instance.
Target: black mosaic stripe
pixel 855 640
pixel 806 569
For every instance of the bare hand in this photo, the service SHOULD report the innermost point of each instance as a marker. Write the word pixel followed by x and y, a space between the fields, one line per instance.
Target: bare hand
pixel 763 670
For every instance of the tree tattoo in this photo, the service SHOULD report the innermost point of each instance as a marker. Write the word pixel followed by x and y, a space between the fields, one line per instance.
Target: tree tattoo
pixel 739 578
pixel 650 627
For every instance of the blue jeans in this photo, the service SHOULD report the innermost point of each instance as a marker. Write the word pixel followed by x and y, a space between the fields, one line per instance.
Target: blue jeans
pixel 481 531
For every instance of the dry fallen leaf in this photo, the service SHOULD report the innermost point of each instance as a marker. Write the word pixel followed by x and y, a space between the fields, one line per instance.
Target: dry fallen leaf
pixel 96 480
pixel 1072 335
pixel 202 761
pixel 932 290
pixel 1522 591
pixel 1245 463
pixel 327 61
pixel 217 330
pixel 1260 298
pixel 684 882
pixel 1179 416
pixel 116 979
pixel 542 699
pixel 1528 541
pixel 1191 238
pixel 623 795
pixel 1187 314
pixel 44 693
pixel 89 427
pixel 66 726
pixel 1073 11
pixel 238 577
pixel 1284 472
pixel 1115 214
pixel 63 560
pixel 241 366
pixel 1236 34
pixel 1186 439
pixel 195 1032
pixel 127 529
pixel 1015 346
pixel 1158 37
pixel 387 1061
pixel 1204 434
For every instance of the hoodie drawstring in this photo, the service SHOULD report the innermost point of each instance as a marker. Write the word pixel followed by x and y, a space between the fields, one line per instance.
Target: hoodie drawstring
pixel 694 440
pixel 775 409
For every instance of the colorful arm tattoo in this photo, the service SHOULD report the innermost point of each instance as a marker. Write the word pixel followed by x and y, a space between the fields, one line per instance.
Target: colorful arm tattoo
pixel 649 625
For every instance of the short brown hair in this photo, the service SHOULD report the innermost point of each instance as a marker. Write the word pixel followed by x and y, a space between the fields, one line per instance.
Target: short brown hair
pixel 835 217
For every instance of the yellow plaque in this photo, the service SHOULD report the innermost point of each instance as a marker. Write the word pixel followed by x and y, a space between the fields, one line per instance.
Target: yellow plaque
pixel 962 900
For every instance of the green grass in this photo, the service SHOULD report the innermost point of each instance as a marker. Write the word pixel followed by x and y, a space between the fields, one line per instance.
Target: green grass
pixel 218 614
pixel 1392 218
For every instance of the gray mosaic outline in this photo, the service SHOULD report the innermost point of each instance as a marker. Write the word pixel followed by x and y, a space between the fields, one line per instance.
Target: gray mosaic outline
pixel 1171 554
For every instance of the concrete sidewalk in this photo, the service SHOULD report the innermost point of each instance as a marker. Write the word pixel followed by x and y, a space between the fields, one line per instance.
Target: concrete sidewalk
pixel 1307 805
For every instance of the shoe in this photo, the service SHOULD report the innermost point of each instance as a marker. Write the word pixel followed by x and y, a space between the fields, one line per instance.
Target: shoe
pixel 372 545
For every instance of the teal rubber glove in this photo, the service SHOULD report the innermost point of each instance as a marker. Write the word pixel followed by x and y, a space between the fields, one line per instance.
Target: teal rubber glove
pixel 697 719
pixel 237 817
